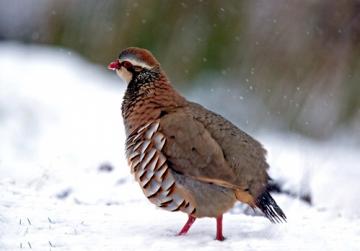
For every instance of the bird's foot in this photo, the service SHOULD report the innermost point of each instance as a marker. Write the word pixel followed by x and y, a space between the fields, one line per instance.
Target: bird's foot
pixel 220 238
pixel 219 235
pixel 187 225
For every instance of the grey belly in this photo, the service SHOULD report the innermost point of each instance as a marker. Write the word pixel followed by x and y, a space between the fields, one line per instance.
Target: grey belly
pixel 210 200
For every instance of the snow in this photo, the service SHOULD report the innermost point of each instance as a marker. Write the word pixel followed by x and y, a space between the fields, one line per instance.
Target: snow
pixel 328 171
pixel 65 184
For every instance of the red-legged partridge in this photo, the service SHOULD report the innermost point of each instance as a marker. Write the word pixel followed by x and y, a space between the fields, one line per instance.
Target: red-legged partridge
pixel 185 157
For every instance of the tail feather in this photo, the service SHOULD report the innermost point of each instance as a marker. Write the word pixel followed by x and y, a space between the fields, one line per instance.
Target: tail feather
pixel 269 207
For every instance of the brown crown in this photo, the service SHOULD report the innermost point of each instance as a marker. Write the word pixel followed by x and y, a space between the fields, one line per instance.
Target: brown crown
pixel 140 55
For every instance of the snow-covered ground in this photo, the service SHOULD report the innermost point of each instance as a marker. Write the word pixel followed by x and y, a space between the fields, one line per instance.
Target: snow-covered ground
pixel 65 184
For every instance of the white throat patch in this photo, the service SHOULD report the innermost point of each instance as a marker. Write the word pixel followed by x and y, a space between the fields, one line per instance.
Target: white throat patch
pixel 125 74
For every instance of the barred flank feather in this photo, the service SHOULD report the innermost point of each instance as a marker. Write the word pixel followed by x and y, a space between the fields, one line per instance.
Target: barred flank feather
pixel 269 207
pixel 149 165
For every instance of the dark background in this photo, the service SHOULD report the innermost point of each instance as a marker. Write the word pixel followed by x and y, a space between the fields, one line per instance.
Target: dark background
pixel 282 65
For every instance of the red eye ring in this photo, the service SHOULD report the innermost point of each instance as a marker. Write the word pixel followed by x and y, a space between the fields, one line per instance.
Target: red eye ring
pixel 127 65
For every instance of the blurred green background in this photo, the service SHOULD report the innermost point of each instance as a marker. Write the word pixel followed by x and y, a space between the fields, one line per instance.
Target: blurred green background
pixel 284 65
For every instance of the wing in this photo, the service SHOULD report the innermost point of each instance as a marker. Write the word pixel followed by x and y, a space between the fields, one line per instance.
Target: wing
pixel 207 147
pixel 192 151
pixel 244 154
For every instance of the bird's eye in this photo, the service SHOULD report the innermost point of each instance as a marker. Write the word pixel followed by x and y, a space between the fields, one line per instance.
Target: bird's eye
pixel 127 65
pixel 138 68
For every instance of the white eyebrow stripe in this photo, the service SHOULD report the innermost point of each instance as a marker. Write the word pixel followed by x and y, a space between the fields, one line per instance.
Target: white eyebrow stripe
pixel 136 63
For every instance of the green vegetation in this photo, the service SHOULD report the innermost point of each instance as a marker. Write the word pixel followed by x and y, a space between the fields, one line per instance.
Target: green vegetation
pixel 301 58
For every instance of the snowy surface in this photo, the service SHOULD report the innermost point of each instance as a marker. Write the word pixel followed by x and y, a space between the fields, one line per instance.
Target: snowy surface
pixel 65 184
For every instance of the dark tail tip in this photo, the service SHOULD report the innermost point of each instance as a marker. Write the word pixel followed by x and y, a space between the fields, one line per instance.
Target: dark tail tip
pixel 268 206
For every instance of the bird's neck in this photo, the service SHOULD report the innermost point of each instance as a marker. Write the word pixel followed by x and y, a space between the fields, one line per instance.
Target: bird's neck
pixel 147 101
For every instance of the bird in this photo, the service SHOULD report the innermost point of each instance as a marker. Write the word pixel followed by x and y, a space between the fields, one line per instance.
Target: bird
pixel 185 157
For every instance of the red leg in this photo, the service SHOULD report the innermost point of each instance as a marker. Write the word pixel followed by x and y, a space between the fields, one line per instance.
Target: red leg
pixel 219 235
pixel 187 226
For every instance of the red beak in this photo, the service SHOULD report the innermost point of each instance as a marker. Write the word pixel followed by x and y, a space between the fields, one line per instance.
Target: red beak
pixel 114 65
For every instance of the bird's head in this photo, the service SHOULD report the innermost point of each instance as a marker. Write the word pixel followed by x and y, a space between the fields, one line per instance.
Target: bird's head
pixel 135 63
